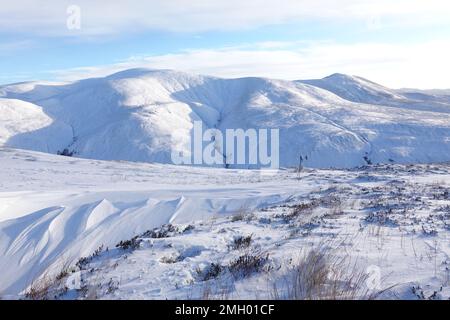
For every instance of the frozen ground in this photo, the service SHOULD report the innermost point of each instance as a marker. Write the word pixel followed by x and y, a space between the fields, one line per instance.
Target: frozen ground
pixel 143 115
pixel 373 232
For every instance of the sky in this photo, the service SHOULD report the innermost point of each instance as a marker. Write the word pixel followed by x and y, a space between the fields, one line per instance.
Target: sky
pixel 400 44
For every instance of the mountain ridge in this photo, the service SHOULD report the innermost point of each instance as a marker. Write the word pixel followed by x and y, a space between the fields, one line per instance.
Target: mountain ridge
pixel 142 114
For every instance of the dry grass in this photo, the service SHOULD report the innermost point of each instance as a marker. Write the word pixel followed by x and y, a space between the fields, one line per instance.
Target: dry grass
pixel 244 213
pixel 321 275
pixel 221 291
pixel 90 292
pixel 211 272
pixel 49 286
pixel 247 264
pixel 40 288
pixel 237 217
pixel 241 242
pixel 298 210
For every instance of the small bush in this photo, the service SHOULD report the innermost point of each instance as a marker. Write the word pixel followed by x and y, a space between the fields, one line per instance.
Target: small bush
pixel 111 286
pixel 164 231
pixel 50 285
pixel 381 218
pixel 247 264
pixel 84 261
pixel 40 289
pixel 241 242
pixel 298 210
pixel 238 217
pixel 212 272
pixel 187 228
pixel 65 153
pixel 321 275
pixel 242 214
pixel 132 244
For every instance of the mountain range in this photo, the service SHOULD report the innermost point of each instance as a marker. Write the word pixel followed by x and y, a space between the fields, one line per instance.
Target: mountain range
pixel 142 115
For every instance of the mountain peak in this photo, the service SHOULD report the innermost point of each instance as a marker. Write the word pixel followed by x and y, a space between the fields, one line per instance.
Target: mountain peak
pixel 137 72
pixel 349 78
pixel 339 76
pixel 355 89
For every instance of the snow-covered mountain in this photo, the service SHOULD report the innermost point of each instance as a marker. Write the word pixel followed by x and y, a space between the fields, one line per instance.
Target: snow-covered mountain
pixel 360 90
pixel 355 89
pixel 142 115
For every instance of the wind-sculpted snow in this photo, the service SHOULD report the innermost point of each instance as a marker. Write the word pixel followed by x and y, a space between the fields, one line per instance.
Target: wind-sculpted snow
pixel 142 115
pixel 56 210
pixel 104 203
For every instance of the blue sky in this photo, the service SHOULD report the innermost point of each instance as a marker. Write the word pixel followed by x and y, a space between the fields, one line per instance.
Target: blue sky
pixel 401 45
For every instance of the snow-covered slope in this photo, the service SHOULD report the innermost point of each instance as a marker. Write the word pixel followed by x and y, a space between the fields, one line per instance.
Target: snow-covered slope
pixel 360 90
pixel 437 95
pixel 355 89
pixel 142 115
pixel 26 126
pixel 55 210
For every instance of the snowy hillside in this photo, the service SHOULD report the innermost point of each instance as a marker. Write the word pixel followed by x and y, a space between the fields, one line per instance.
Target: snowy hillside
pixel 118 220
pixel 361 90
pixel 19 122
pixel 142 115
pixel 355 89
pixel 121 230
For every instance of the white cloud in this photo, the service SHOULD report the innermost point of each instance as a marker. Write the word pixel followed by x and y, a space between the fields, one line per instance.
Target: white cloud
pixel 423 65
pixel 14 46
pixel 414 65
pixel 115 16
